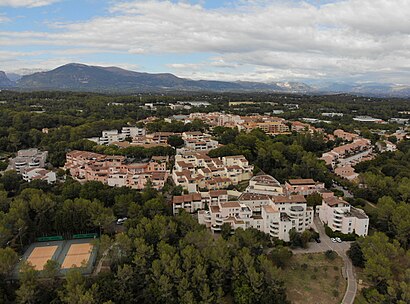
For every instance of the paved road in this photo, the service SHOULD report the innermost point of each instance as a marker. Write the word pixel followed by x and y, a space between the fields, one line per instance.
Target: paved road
pixel 346 193
pixel 341 249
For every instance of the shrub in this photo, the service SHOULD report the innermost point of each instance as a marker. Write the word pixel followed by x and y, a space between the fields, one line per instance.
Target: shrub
pixel 331 255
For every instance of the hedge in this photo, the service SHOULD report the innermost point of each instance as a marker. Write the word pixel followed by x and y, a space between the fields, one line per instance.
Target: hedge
pixel 344 237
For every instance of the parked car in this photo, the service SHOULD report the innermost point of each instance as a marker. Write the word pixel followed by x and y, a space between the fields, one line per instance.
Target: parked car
pixel 338 240
pixel 318 240
pixel 333 240
pixel 121 221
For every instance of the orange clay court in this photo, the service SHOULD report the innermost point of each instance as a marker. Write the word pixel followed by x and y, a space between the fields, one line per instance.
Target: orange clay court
pixel 40 255
pixel 76 255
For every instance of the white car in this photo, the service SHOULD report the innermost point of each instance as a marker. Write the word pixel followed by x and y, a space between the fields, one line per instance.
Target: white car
pixel 333 240
pixel 121 221
pixel 338 240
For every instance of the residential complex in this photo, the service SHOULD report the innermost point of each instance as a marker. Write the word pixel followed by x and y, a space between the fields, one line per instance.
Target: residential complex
pixel 350 154
pixel 196 170
pixel 340 216
pixel 269 212
pixel 116 171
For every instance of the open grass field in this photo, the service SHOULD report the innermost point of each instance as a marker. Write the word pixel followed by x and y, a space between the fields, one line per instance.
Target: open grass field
pixel 312 278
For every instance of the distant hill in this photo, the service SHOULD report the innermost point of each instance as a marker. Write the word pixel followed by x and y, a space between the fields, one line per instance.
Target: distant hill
pixel 5 82
pixel 367 89
pixel 80 77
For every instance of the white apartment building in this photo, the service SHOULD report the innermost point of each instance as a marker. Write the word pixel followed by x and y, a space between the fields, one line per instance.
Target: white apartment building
pixel 133 131
pixel 110 136
pixel 193 202
pixel 197 141
pixel 28 159
pixel 270 213
pixel 340 216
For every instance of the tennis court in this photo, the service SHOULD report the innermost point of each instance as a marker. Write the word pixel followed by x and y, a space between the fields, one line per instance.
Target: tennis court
pixel 40 255
pixel 77 255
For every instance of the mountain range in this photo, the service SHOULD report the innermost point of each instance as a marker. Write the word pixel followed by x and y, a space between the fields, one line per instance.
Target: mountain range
pixel 81 77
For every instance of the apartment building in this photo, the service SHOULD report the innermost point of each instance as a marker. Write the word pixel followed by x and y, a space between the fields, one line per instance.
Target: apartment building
pixel 28 159
pixel 115 170
pixel 133 131
pixel 197 141
pixel 350 154
pixel 305 186
pixel 339 133
pixel 39 174
pixel 268 212
pixel 195 170
pixel 193 202
pixel 340 216
pixel 273 127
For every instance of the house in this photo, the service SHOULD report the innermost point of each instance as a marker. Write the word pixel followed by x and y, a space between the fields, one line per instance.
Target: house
pixel 346 172
pixel 340 216
pixel 31 174
pixel 339 133
pixel 264 184
pixel 386 146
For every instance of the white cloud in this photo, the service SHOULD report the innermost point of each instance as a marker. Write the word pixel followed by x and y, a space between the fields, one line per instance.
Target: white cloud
pixel 254 39
pixel 4 18
pixel 26 3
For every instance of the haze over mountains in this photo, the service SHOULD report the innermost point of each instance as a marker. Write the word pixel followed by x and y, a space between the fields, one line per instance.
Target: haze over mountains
pixel 81 77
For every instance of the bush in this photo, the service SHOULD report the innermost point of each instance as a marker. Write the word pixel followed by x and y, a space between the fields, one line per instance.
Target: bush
pixel 330 254
pixel 335 293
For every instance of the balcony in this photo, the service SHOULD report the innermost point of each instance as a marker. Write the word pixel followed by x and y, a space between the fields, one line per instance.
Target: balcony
pixel 207 217
pixel 337 226
pixel 216 228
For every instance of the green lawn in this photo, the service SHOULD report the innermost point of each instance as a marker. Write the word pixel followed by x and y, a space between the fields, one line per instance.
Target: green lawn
pixel 312 278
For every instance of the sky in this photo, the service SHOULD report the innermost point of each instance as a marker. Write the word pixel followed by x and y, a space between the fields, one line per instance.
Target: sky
pixel 249 40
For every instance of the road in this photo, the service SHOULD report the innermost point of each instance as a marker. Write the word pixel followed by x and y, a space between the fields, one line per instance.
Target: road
pixel 341 249
pixel 346 193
